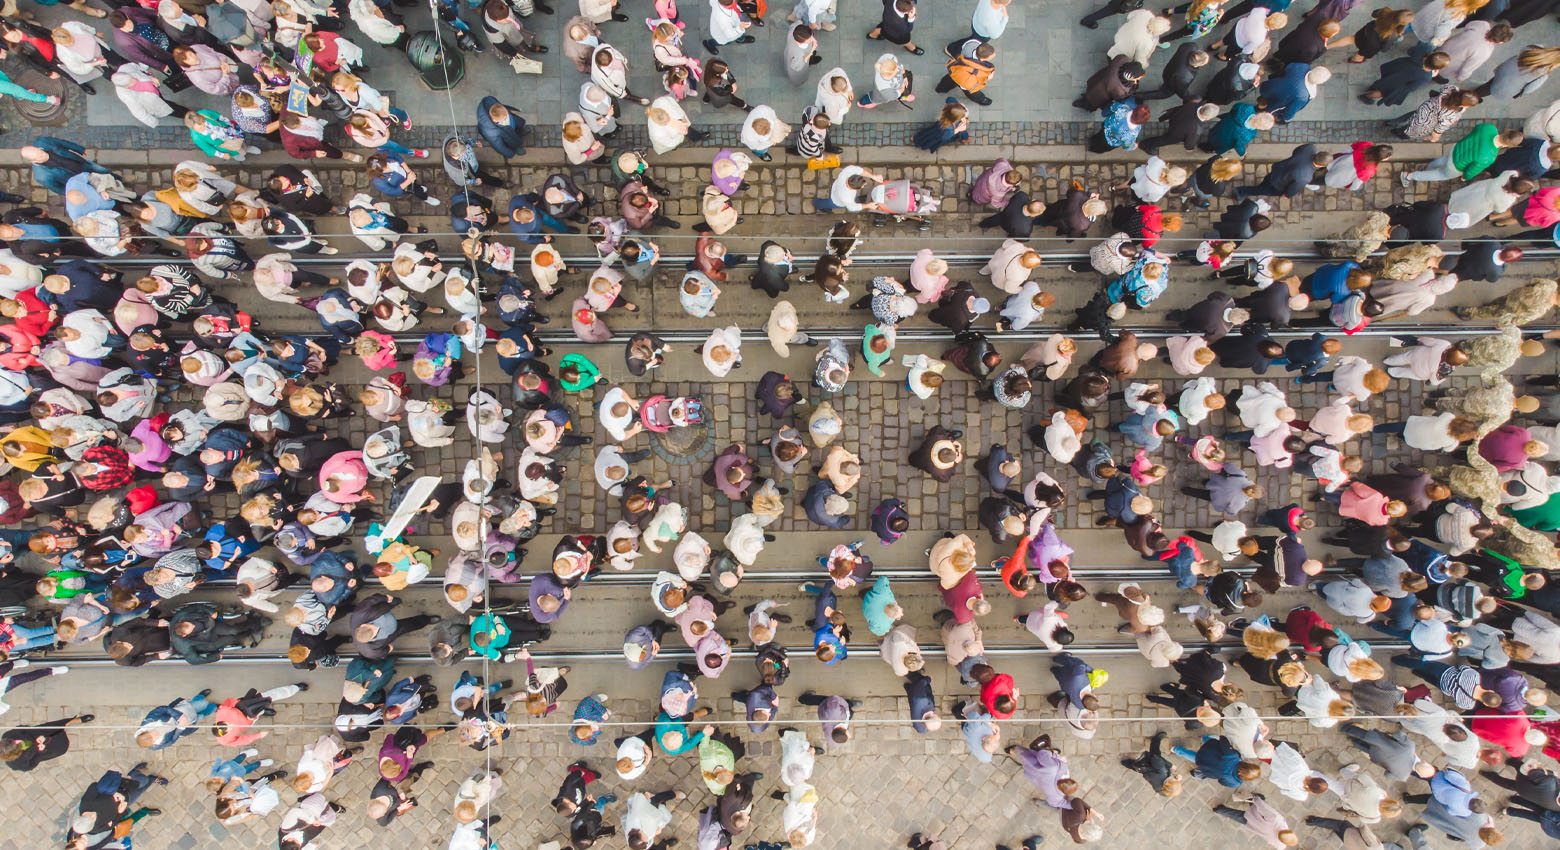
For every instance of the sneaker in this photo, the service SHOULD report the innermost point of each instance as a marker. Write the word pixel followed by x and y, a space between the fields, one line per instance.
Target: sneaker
pixel 1404 179
pixel 420 153
pixel 431 201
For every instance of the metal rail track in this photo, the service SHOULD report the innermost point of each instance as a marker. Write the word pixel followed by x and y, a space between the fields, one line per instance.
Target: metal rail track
pixel 1151 572
pixel 857 651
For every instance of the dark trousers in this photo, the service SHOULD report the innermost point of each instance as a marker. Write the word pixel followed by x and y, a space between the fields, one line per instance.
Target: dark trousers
pixel 1114 7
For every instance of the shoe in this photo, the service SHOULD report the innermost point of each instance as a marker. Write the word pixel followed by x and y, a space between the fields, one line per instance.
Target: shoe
pixel 919 51
pixel 153 812
pixel 302 686
pixel 1404 180
pixel 420 153
pixel 711 46
pixel 88 718
pixel 88 89
pixel 431 201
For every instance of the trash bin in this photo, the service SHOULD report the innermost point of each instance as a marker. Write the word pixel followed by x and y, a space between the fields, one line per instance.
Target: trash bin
pixel 440 65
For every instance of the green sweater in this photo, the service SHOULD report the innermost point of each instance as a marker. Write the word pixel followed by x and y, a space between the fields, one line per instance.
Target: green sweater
pixel 589 374
pixel 1545 517
pixel 1510 585
pixel 874 360
pixel 1476 151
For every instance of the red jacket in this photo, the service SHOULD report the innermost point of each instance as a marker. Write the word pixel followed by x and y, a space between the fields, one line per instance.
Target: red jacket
pixel 1503 730
pixel 1299 625
pixel 36 318
pixel 1016 566
pixel 21 343
pixel 1153 219
pixel 1000 684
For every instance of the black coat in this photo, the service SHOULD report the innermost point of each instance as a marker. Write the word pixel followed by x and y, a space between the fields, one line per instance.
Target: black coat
pixel 1206 317
pixel 1478 260
pixel 1179 76
pixel 1289 176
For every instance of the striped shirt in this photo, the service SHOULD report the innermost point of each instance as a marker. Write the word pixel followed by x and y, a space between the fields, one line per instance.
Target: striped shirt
pixel 1458 683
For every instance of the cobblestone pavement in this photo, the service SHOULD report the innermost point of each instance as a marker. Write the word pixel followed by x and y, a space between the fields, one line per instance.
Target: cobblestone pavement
pixel 886 784
pixel 889 782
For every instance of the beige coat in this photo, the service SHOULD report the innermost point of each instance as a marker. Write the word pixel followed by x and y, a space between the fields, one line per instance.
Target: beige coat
pixel 941 559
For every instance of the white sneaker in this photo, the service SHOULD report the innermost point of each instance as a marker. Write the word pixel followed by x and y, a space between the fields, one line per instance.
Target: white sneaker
pixel 249 753
pixel 61 670
pixel 267 762
pixel 431 201
pixel 330 249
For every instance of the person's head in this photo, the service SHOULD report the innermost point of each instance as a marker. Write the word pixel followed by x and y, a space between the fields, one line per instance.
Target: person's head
pixel 1437 60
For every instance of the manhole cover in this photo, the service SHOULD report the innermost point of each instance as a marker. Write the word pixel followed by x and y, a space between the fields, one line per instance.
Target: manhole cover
pixel 47 114
pixel 683 445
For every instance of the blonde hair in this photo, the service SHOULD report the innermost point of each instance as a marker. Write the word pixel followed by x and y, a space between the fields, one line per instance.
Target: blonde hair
pixel 1265 644
pixel 1225 168
pixel 1544 59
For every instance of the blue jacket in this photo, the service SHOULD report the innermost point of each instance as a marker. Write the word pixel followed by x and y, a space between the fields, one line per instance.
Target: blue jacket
pixel 1217 759
pixel 1119 493
pixel 505 139
pixel 1072 675
pixel 1231 133
pixel 813 503
pixel 338 567
pixel 1331 282
pixel 1286 93
pixel 1305 355
pixel 66 160
pixel 531 232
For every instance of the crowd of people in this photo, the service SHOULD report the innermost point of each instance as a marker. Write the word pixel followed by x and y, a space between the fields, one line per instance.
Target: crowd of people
pixel 108 498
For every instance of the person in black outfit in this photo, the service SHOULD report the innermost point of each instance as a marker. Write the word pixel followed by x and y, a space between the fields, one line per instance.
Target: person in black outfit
pixel 1018 218
pixel 1154 767
pixel 1485 259
pixel 1240 222
pixel 1421 221
pixel 1180 73
pixel 26 747
pixel 1269 306
pixel 1538 787
pixel 1210 317
pixel 1183 124
pixel 1113 7
pixel 1289 176
pixel 1253 348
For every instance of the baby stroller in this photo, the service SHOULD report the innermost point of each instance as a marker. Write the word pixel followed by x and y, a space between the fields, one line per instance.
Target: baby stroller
pixel 661 414
pixel 903 202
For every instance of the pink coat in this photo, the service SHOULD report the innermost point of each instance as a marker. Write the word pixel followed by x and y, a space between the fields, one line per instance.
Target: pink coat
pixel 1366 504
pixel 350 472
pixel 384 358
pixel 990 188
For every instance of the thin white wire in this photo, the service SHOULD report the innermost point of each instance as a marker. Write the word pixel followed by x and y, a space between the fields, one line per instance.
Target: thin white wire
pixel 480 336
pixel 793 720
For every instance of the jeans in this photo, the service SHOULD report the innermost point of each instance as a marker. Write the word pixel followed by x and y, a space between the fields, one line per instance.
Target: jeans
pixel 1440 168
pixel 234 767
pixel 27 637
pixel 826 205
pixel 391 146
